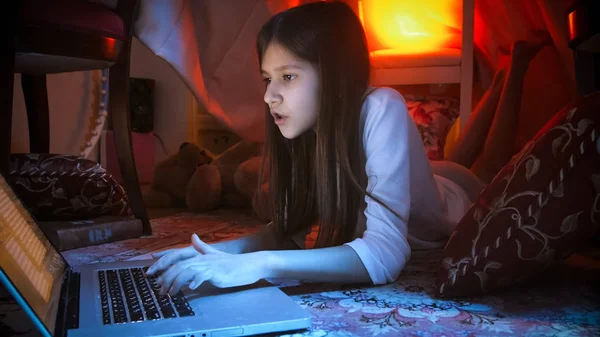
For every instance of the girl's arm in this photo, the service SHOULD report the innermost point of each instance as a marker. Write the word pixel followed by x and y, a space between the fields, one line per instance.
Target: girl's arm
pixel 334 264
pixel 263 239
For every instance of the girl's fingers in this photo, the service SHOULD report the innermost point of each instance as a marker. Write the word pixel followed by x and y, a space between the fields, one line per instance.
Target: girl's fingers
pixel 183 278
pixel 160 254
pixel 171 258
pixel 199 278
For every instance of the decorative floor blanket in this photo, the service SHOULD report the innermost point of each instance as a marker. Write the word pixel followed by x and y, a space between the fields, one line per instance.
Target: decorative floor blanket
pixel 561 302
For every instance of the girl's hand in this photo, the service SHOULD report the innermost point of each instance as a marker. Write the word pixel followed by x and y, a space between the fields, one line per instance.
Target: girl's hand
pixel 209 264
pixel 169 257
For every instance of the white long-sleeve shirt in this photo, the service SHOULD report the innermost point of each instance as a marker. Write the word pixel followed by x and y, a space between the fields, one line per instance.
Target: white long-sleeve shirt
pixel 399 174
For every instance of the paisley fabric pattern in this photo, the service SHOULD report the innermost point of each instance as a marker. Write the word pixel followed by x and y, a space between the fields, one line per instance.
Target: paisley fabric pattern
pixel 542 206
pixel 565 303
pixel 62 187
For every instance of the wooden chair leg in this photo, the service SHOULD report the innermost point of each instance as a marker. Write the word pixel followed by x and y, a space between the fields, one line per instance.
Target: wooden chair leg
pixel 119 116
pixel 466 63
pixel 7 78
pixel 7 75
pixel 35 93
pixel 587 67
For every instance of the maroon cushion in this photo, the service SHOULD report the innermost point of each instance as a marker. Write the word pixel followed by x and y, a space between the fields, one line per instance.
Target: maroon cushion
pixel 59 187
pixel 75 15
pixel 543 205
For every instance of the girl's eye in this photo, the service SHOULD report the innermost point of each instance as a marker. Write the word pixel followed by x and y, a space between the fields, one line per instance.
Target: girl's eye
pixel 288 78
pixel 267 80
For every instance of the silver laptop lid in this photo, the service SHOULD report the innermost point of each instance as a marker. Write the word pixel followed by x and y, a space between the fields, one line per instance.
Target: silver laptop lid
pixel 29 263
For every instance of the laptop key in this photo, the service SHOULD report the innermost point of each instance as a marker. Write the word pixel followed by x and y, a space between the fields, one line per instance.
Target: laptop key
pixel 181 305
pixel 184 313
pixel 184 308
pixel 152 314
pixel 163 300
pixel 146 296
pixel 134 297
pixel 136 316
pixel 103 298
pixel 121 318
pixel 131 298
pixel 168 312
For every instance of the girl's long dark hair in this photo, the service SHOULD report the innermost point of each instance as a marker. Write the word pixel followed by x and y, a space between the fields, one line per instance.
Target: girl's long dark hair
pixel 314 178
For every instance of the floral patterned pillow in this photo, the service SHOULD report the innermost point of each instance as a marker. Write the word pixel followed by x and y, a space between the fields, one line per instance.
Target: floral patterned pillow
pixel 543 205
pixel 434 117
pixel 59 187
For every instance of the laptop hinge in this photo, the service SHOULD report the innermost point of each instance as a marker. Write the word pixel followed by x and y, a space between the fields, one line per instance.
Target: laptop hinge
pixel 68 306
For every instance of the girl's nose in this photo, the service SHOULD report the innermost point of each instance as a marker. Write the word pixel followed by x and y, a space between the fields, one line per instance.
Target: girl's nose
pixel 272 96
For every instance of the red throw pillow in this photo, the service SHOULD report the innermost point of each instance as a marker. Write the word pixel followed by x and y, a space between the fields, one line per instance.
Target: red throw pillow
pixel 59 187
pixel 543 205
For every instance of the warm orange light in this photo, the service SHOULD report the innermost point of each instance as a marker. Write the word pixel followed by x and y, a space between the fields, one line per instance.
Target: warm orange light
pixel 409 26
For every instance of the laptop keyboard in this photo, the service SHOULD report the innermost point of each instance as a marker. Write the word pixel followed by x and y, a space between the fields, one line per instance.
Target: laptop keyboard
pixel 127 295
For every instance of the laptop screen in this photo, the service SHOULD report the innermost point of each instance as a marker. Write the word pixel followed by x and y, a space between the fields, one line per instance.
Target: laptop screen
pixel 33 266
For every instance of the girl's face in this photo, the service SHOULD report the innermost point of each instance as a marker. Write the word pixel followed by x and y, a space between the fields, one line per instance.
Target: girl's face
pixel 292 91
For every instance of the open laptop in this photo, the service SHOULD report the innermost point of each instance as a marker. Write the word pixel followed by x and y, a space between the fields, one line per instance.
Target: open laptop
pixel 116 299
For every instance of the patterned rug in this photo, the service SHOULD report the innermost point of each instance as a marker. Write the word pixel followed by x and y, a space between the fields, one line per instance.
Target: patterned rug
pixel 562 302
pixel 171 231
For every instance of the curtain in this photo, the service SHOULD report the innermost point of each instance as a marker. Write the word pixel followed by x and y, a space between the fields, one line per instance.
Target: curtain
pixel 211 45
pixel 550 81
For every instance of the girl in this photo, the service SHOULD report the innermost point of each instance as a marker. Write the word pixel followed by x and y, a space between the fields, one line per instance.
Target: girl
pixel 348 157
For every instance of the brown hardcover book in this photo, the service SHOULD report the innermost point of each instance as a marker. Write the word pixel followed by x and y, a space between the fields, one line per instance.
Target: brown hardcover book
pixel 66 235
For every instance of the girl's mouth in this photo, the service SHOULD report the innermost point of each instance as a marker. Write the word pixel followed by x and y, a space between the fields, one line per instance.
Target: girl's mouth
pixel 279 119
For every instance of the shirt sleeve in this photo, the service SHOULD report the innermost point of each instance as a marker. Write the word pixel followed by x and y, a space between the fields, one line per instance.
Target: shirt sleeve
pixel 383 247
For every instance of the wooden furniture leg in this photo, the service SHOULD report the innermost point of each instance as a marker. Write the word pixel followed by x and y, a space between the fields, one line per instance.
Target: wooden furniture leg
pixel 7 66
pixel 467 63
pixel 35 92
pixel 119 116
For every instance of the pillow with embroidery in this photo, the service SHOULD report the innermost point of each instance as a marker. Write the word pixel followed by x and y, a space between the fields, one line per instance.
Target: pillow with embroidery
pixel 543 205
pixel 60 187
pixel 434 116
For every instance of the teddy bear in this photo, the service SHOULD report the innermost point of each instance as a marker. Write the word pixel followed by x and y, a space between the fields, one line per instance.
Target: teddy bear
pixel 196 179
